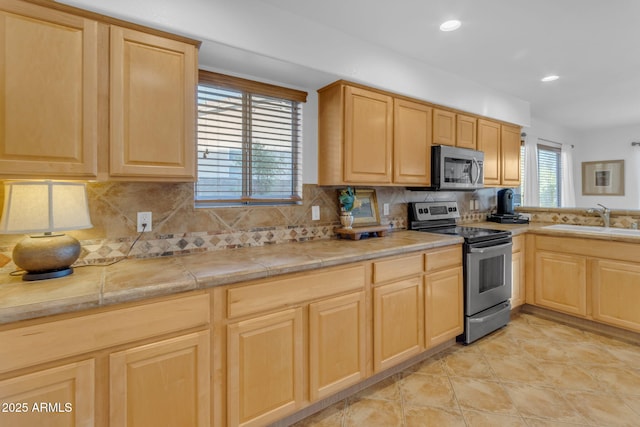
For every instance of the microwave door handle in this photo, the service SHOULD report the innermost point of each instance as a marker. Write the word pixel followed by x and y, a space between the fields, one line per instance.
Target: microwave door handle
pixel 475 162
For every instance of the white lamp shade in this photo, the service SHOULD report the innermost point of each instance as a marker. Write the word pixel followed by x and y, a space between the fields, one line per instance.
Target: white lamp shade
pixel 40 207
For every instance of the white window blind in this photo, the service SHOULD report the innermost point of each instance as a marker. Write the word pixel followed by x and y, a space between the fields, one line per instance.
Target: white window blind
pixel 249 142
pixel 549 176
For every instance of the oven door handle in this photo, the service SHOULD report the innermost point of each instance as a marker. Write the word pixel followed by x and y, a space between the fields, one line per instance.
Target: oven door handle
pixel 489 248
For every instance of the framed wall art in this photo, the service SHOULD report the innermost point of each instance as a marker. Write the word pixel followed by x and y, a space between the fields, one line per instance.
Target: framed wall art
pixel 603 178
pixel 366 212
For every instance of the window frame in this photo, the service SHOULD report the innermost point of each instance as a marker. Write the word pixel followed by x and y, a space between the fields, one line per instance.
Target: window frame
pixel 558 174
pixel 249 89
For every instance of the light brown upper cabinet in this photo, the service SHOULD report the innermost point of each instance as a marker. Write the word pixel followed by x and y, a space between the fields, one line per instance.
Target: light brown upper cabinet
pixel 411 142
pixel 466 135
pixel 444 127
pixel 48 93
pixel 510 139
pixel 85 96
pixel 369 137
pixel 152 107
pixel 355 132
pixel 489 143
pixel 372 137
pixel 501 146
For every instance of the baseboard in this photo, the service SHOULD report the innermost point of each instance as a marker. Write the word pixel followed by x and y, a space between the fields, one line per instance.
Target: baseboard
pixel 584 324
pixel 341 395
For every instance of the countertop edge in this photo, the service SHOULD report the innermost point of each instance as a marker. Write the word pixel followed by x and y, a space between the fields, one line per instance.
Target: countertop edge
pixel 89 289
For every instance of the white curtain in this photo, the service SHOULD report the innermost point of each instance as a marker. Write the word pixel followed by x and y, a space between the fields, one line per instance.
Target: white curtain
pixel 568 193
pixel 531 196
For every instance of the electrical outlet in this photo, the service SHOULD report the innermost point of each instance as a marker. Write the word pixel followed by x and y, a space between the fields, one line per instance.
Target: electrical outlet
pixel 385 209
pixel 315 213
pixel 144 218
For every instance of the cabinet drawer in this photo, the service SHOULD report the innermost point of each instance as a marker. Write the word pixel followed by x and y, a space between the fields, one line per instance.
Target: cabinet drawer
pixel 518 243
pixel 91 332
pixel 450 256
pixel 281 293
pixel 397 268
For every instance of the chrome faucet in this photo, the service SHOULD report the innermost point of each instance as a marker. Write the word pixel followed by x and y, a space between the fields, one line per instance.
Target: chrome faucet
pixel 605 213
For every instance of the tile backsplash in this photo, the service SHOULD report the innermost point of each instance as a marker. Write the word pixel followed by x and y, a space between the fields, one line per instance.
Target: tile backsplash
pixel 179 227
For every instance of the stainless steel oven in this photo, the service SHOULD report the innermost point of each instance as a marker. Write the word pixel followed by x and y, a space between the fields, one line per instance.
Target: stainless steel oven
pixel 486 261
pixel 487 271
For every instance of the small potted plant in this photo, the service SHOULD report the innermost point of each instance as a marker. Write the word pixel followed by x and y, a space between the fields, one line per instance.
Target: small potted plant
pixel 348 202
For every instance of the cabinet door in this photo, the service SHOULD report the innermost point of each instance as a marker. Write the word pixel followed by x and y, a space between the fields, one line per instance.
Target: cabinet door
pixel 560 282
pixel 489 143
pixel 616 285
pixel 337 344
pixel 368 138
pixel 152 105
pixel 162 383
pixel 48 93
pixel 411 143
pixel 466 132
pixel 510 151
pixel 444 127
pixel 444 306
pixel 398 327
pixel 517 273
pixel 265 368
pixel 62 396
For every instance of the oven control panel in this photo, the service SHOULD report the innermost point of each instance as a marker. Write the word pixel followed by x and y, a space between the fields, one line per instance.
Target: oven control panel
pixel 428 211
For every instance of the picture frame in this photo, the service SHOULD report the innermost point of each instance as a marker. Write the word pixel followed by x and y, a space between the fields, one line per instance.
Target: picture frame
pixel 603 178
pixel 367 213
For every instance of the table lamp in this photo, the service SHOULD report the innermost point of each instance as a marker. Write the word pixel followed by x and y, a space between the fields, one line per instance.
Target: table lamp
pixel 46 208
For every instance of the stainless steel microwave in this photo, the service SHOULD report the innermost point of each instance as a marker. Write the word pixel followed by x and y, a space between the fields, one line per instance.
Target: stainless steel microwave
pixel 454 168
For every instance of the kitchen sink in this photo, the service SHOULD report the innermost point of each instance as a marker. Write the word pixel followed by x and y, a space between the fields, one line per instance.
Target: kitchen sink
pixel 594 229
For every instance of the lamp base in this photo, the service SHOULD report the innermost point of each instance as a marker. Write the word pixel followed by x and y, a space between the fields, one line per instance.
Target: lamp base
pixel 35 275
pixel 46 257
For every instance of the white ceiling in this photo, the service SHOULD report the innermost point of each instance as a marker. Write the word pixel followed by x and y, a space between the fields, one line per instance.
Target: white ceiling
pixel 504 45
pixel 509 45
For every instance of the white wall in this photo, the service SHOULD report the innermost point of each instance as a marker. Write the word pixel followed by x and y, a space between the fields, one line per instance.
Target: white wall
pixel 603 144
pixel 256 27
pixel 610 144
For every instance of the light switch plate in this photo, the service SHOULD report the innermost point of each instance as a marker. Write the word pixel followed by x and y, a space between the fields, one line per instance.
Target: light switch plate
pixel 315 213
pixel 385 209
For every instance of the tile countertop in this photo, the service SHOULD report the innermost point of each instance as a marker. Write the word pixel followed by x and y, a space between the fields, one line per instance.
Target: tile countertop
pixel 138 279
pixel 541 228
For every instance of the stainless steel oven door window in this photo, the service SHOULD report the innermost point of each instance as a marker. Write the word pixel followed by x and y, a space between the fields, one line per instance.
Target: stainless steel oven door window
pixel 488 275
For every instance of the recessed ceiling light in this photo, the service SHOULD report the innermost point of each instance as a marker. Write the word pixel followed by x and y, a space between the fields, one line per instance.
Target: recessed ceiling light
pixel 452 25
pixel 549 78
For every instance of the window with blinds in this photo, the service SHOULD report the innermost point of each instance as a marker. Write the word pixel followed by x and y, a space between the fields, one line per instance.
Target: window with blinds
pixel 519 195
pixel 549 176
pixel 249 142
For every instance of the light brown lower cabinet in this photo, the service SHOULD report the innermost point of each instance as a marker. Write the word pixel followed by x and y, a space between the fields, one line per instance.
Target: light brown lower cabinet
pixel 134 365
pixel 616 292
pixel 561 282
pixel 579 276
pixel 57 397
pixel 444 306
pixel 517 272
pixel 266 368
pixel 397 322
pixel 337 344
pixel 162 383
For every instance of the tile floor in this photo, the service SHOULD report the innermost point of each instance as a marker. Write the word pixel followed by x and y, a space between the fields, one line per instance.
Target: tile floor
pixel 534 372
